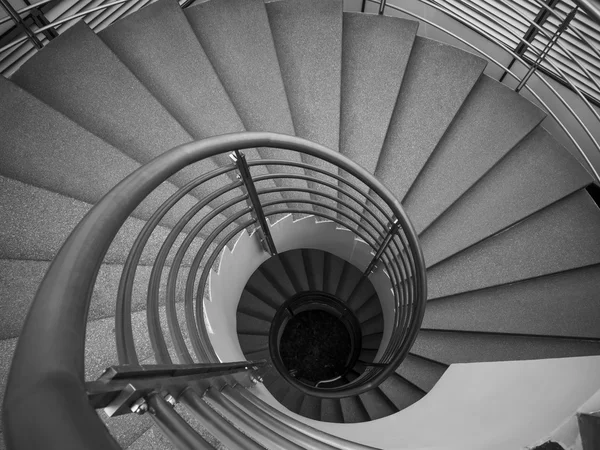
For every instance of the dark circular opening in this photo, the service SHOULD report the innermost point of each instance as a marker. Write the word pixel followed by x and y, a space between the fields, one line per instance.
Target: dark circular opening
pixel 315 345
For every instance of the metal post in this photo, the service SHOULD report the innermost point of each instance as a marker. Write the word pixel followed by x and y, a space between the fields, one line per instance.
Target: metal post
pixel 542 56
pixel 12 12
pixel 386 241
pixel 382 4
pixel 40 20
pixel 530 34
pixel 254 202
pixel 363 6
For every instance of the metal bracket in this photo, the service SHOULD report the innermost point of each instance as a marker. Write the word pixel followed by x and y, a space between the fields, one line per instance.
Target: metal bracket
pixel 121 389
pixel 253 202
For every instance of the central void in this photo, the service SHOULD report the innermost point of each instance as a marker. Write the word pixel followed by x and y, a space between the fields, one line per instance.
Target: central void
pixel 315 345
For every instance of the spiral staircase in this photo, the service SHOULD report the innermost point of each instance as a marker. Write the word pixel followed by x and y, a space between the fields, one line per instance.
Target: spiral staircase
pixel 507 222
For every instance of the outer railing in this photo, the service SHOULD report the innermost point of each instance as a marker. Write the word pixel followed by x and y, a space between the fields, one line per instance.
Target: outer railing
pixel 47 402
pixel 541 67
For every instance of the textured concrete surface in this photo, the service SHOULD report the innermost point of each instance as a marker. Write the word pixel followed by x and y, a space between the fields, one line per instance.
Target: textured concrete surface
pixel 60 156
pixel 437 80
pixel 399 392
pixel 377 404
pixel 565 304
pixel 375 53
pixel 37 222
pixel 422 373
pixel 160 48
pixel 464 347
pixel 152 439
pixel 308 41
pixel 7 348
pixel 492 120
pixel 353 410
pixel 97 91
pixel 236 37
pixel 557 238
pixel 536 173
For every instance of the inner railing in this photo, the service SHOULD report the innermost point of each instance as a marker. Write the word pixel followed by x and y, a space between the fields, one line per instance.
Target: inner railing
pixel 48 366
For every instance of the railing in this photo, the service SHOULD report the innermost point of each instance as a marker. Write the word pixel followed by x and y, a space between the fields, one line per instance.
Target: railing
pixel 546 50
pixel 46 382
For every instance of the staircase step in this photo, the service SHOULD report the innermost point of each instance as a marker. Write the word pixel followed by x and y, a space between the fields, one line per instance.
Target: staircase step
pixel 535 174
pixel 253 306
pixel 421 372
pixel 426 105
pixel 37 222
pixel 372 326
pixel 331 410
pixel 313 263
pixel 368 309
pixel 273 272
pixel 353 410
pixel 308 40
pixel 159 46
pixel 564 304
pixel 71 155
pixel 21 279
pixel 349 277
pixel 555 239
pixel 363 293
pixel 152 439
pixel 400 392
pixel 377 404
pixel 261 288
pixel 311 407
pixel 293 265
pixel 375 54
pixel 492 120
pixel 332 269
pixel 451 347
pixel 237 39
pixel 293 400
pixel 253 344
pixel 257 356
pixel 97 91
pixel 251 325
pixel 372 341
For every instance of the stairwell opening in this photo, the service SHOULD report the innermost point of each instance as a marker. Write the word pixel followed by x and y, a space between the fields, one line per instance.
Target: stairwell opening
pixel 316 346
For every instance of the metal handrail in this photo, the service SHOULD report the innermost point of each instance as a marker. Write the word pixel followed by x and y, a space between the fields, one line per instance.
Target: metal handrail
pixel 520 58
pixel 46 381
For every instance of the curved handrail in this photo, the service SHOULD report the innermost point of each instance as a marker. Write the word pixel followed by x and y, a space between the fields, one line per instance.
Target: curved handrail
pixel 46 381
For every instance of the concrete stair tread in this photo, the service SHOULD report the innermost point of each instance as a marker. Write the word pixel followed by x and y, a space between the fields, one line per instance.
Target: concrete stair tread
pixel 314 261
pixel 554 239
pixel 451 347
pixel 375 402
pixel 375 53
pixel 331 411
pixel 535 174
pixel 563 304
pixel 22 278
pixel 251 325
pixel 273 272
pixel 369 309
pixel 421 372
pixel 293 400
pixel 37 222
pixel 353 410
pixel 427 104
pixel 71 155
pixel 293 264
pixel 259 286
pixel 237 39
pixel 253 306
pixel 400 392
pixel 493 118
pixel 332 270
pixel 308 40
pixel 253 344
pixel 311 407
